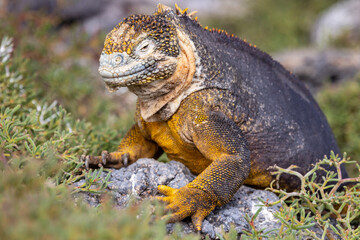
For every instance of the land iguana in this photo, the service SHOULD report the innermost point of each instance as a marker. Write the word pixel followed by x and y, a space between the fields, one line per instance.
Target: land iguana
pixel 210 100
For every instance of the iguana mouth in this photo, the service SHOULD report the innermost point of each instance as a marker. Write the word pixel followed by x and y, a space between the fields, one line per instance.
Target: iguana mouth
pixel 139 74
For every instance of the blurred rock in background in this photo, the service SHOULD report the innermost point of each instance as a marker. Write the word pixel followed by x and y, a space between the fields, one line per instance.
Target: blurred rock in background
pixel 340 22
pixel 319 67
pixel 333 55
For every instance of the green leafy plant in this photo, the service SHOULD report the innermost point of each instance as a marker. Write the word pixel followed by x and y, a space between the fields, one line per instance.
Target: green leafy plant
pixel 315 205
pixel 254 233
pixel 94 182
pixel 33 207
pixel 231 235
pixel 35 128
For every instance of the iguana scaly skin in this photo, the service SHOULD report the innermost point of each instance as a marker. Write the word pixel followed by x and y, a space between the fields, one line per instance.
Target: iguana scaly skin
pixel 213 102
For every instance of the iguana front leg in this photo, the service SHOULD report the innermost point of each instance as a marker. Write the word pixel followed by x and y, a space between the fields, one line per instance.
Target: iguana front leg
pixel 219 139
pixel 132 147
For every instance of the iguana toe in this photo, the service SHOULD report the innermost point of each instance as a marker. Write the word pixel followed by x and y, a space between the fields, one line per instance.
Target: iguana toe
pixel 91 161
pixel 186 202
pixel 114 159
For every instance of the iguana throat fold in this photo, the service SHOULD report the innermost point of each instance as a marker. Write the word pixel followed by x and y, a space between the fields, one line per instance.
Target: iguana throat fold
pixel 177 84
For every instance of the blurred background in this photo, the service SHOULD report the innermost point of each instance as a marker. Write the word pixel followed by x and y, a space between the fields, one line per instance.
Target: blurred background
pixel 61 40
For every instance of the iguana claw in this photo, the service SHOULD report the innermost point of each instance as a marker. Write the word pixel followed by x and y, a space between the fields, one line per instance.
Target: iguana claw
pixel 106 159
pixel 104 156
pixel 99 161
pixel 84 158
pixel 125 159
pixel 185 202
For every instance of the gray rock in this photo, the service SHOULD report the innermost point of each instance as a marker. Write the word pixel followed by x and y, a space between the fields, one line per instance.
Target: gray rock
pixel 140 181
pixel 245 201
pixel 341 19
pixel 318 67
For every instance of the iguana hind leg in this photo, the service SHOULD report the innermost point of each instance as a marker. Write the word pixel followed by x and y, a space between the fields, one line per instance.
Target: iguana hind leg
pixel 221 141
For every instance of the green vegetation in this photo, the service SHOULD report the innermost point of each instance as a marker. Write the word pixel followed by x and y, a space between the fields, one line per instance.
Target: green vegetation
pixel 314 205
pixel 341 106
pixel 35 128
pixel 62 68
pixel 32 207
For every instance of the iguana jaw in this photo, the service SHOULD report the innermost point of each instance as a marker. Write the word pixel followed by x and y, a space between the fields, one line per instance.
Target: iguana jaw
pixel 121 76
pixel 120 70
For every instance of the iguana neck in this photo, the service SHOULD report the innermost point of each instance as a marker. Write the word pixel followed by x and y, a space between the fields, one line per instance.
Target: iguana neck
pixel 159 100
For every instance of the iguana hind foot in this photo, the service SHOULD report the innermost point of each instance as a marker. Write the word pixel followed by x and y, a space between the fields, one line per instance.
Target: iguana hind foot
pixel 186 202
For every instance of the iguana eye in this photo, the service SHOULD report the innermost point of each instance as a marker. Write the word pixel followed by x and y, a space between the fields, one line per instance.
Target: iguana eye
pixel 145 47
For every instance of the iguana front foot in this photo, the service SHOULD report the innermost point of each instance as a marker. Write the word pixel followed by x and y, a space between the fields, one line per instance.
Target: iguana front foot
pixel 112 160
pixel 186 202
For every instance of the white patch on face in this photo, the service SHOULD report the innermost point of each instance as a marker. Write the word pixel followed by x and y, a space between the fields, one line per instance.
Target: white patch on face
pixel 120 36
pixel 122 28
pixel 117 35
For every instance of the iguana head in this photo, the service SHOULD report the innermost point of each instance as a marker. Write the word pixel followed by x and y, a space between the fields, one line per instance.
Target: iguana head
pixel 140 50
pixel 151 55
